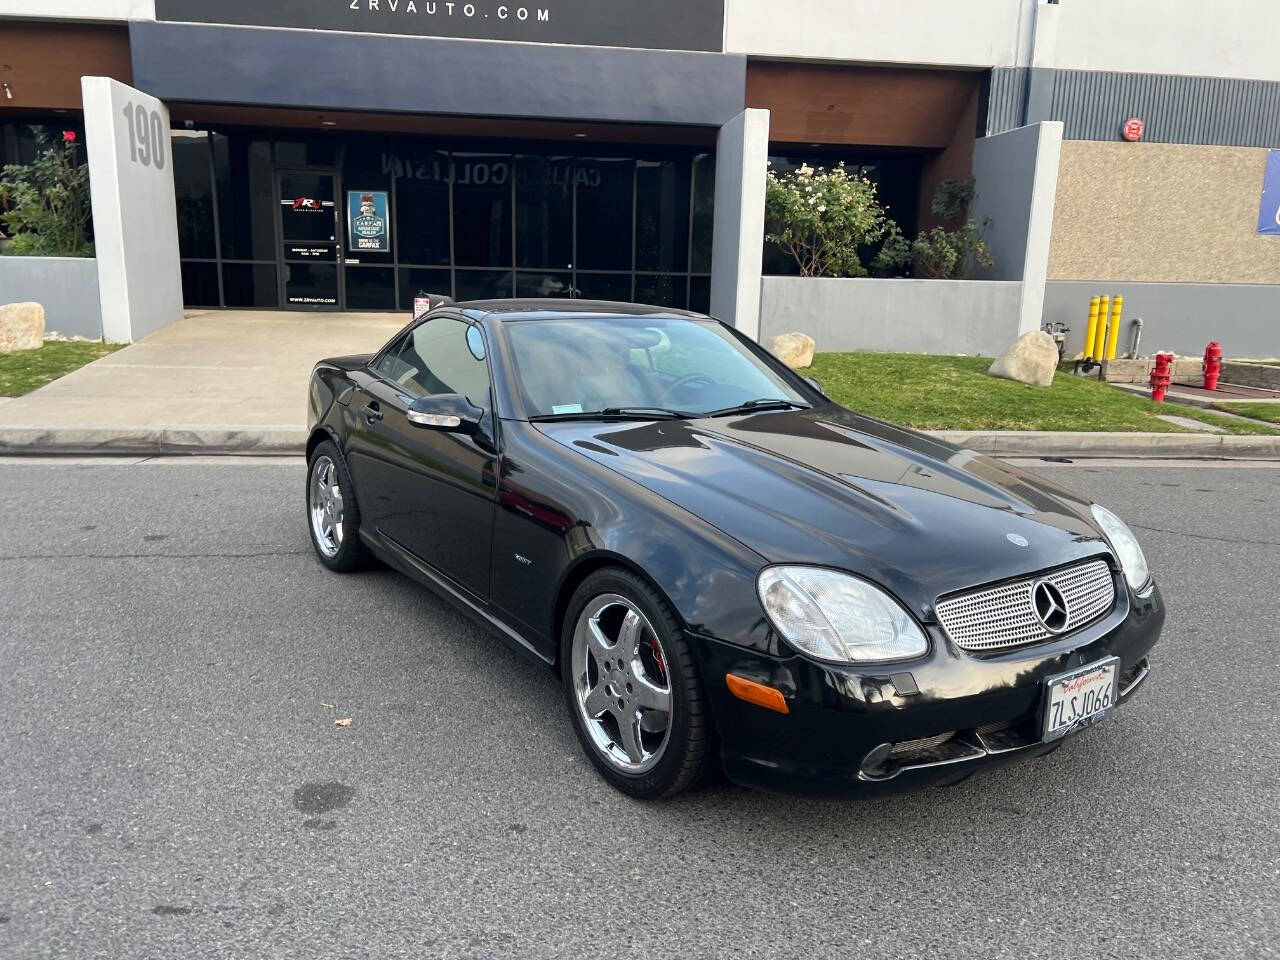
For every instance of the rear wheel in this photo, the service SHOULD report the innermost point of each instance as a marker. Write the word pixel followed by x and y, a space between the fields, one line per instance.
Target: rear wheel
pixel 632 688
pixel 332 515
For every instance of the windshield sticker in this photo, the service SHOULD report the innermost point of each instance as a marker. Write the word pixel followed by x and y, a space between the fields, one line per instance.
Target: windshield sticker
pixel 566 408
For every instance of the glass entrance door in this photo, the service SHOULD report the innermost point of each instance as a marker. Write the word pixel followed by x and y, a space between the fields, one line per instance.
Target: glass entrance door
pixel 310 248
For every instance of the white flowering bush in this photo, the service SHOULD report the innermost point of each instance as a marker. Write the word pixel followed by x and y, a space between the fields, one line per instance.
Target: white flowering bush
pixel 821 217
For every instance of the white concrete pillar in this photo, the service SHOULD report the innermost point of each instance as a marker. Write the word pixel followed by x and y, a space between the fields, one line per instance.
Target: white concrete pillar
pixel 1044 196
pixel 737 246
pixel 135 220
pixel 1017 186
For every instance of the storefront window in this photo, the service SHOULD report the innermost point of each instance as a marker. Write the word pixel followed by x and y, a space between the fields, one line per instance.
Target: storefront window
pixel 482 209
pixel 544 212
pixel 193 192
pixel 421 218
pixel 704 198
pixel 243 172
pixel 250 285
pixel 269 223
pixel 606 208
pixel 662 215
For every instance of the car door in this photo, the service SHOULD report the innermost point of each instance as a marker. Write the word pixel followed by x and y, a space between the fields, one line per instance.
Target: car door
pixel 430 491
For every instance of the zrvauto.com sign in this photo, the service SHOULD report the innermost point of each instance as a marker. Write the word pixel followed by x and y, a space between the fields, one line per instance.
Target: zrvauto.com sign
pixel 654 24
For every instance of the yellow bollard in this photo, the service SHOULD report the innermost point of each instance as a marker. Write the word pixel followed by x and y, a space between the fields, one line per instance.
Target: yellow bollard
pixel 1113 333
pixel 1100 339
pixel 1093 328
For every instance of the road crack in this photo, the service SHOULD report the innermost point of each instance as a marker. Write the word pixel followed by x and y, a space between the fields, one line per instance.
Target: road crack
pixel 1205 536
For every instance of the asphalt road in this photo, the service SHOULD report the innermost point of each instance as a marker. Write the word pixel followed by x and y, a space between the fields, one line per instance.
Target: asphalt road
pixel 172 784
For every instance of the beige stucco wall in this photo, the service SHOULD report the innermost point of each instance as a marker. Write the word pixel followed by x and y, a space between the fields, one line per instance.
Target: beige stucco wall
pixel 1161 213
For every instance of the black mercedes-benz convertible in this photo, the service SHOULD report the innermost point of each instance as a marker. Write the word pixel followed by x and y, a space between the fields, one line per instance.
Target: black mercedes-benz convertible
pixel 726 568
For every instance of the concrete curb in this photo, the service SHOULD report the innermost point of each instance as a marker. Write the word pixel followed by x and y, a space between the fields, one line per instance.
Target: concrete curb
pixel 152 441
pixel 1157 446
pixel 286 441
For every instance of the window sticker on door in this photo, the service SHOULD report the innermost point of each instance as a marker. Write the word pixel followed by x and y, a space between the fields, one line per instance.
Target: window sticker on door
pixel 368 220
pixel 566 408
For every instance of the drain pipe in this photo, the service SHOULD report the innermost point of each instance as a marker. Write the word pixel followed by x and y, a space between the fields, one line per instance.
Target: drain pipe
pixel 1137 338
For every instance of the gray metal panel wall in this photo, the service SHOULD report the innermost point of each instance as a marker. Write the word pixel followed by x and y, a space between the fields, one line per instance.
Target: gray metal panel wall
pixel 1007 99
pixel 1182 317
pixel 373 72
pixel 1093 105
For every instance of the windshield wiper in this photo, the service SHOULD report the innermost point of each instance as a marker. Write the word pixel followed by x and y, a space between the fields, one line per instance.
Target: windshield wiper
pixel 764 403
pixel 615 413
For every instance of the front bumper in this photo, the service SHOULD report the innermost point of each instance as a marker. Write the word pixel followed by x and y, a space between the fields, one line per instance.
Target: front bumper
pixel 989 705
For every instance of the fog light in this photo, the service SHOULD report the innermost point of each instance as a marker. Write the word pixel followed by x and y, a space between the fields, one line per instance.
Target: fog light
pixel 874 764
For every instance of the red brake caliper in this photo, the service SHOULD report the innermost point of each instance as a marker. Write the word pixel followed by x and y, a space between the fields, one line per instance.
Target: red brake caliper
pixel 662 664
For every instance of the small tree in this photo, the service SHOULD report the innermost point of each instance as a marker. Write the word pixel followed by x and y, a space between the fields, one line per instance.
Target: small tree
pixel 45 204
pixel 938 253
pixel 821 217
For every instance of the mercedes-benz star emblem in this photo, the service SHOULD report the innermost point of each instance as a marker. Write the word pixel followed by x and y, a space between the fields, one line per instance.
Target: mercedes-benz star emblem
pixel 1050 606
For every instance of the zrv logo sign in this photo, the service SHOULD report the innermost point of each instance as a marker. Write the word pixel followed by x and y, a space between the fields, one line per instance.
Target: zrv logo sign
pixel 432 8
pixel 655 24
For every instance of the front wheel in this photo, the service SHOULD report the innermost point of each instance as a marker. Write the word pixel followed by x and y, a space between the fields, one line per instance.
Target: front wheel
pixel 332 515
pixel 632 688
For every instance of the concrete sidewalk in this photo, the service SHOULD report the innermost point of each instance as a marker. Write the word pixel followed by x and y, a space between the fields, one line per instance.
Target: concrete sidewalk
pixel 215 381
pixel 226 382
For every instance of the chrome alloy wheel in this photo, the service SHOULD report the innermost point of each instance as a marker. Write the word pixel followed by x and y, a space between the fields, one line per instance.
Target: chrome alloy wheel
pixel 324 503
pixel 621 683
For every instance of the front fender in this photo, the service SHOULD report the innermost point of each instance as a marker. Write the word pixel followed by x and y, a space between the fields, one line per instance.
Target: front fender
pixel 559 516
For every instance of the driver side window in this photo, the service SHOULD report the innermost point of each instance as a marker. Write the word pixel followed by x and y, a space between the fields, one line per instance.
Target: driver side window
pixel 434 358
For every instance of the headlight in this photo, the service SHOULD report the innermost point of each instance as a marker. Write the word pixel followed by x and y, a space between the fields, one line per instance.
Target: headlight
pixel 834 616
pixel 1125 545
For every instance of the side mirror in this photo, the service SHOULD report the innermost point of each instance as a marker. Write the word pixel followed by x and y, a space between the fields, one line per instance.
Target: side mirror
pixel 445 411
pixel 816 384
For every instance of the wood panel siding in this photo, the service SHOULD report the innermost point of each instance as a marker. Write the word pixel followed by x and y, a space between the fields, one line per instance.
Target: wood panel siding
pixel 863 106
pixel 43 62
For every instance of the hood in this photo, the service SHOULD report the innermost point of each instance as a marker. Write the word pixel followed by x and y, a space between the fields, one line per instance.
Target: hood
pixel 827 486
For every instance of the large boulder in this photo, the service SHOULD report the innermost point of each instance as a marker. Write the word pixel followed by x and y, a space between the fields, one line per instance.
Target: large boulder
pixel 21 326
pixel 793 349
pixel 1032 358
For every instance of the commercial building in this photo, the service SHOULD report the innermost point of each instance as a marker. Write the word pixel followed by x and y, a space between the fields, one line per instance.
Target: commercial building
pixel 350 154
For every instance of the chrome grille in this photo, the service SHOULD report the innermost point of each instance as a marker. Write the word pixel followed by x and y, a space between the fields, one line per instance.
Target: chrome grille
pixel 1004 616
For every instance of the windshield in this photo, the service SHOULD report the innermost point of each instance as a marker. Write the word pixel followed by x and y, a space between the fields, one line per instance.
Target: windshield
pixel 585 365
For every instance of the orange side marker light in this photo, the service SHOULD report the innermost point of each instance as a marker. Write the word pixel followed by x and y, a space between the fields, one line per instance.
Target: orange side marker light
pixel 758 693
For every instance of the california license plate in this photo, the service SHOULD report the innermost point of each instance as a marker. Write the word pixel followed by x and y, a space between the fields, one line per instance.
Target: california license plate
pixel 1079 698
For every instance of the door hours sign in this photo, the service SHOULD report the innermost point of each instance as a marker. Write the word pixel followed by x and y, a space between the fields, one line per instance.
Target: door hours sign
pixel 368 222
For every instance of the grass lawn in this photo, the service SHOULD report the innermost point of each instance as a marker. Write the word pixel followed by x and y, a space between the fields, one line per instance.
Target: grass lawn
pixel 954 393
pixel 1259 411
pixel 23 371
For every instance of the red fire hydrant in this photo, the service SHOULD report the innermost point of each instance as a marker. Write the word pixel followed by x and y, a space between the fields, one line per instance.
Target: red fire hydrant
pixel 1212 365
pixel 1161 375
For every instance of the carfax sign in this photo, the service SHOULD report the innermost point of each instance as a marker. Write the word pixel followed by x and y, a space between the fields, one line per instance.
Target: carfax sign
pixel 1269 215
pixel 368 223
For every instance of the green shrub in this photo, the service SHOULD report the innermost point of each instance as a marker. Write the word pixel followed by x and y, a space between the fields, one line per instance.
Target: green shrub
pixel 939 253
pixel 44 205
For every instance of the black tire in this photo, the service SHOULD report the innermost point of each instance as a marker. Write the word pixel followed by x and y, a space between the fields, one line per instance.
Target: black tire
pixel 690 755
pixel 351 554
